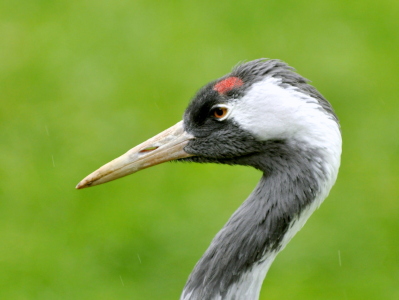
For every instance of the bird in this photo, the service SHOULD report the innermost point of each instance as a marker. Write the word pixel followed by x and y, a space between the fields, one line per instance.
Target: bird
pixel 265 115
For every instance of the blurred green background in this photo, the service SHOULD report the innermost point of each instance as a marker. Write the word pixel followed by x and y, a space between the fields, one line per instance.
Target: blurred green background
pixel 81 82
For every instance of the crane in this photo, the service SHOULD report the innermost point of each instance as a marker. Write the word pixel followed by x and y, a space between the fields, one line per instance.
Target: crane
pixel 265 115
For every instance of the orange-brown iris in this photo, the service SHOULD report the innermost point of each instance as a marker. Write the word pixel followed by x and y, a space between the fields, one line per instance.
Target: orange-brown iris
pixel 220 112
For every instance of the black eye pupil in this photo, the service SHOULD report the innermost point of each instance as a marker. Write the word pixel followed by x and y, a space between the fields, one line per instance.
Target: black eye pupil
pixel 219 112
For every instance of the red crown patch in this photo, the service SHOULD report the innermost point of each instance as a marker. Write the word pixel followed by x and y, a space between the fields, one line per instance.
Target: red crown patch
pixel 227 85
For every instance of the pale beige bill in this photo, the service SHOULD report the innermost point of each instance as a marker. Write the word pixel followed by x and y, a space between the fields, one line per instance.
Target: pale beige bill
pixel 165 146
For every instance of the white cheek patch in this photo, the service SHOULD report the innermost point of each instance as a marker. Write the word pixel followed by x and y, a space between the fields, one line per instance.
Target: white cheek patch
pixel 270 111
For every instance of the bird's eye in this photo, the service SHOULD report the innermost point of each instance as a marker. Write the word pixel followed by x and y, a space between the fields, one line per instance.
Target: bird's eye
pixel 219 112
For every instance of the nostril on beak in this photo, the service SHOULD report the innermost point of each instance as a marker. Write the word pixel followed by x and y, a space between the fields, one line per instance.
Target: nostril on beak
pixel 148 149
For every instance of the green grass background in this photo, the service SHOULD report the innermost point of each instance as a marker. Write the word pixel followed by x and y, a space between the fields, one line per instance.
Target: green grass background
pixel 83 81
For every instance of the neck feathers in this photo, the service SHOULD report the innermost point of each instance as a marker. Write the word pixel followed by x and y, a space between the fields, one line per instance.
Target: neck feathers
pixel 293 185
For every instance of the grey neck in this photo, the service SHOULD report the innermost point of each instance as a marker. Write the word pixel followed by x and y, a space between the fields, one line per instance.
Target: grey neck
pixel 235 264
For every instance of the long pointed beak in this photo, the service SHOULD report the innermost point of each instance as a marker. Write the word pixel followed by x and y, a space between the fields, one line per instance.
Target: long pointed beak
pixel 165 146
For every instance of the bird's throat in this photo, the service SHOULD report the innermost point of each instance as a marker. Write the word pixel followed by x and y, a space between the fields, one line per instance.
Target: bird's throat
pixel 235 264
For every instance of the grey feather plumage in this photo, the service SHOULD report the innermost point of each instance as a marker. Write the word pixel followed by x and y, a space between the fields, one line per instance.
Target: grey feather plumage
pixel 290 183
